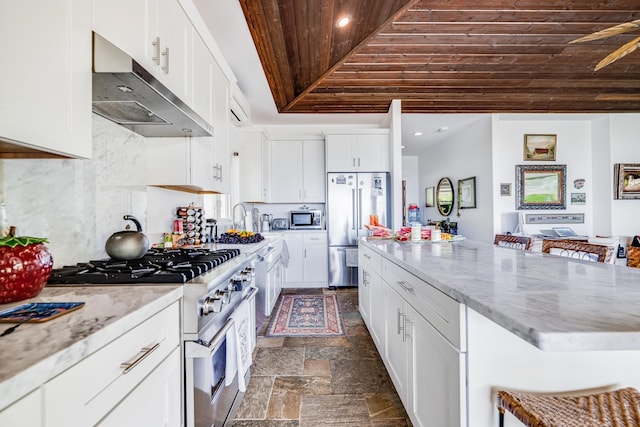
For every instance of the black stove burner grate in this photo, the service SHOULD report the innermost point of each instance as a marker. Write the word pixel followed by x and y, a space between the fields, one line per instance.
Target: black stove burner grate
pixel 157 266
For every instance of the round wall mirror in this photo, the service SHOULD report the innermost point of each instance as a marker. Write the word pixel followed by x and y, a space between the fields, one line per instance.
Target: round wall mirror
pixel 445 196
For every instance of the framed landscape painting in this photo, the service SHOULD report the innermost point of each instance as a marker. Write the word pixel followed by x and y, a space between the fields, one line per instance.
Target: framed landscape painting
pixel 626 181
pixel 540 147
pixel 541 187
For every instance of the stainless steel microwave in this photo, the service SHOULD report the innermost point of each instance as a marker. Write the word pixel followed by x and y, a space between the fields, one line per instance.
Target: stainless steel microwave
pixel 308 219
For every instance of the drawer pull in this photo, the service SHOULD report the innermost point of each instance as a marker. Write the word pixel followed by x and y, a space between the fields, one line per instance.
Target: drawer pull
pixel 405 286
pixel 366 256
pixel 144 352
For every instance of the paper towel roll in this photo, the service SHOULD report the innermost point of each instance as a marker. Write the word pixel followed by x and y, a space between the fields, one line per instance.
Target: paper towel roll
pixel 248 222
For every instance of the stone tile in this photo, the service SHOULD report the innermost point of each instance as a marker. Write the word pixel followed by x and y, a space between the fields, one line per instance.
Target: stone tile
pixel 302 385
pixel 256 398
pixel 335 410
pixel 391 423
pixel 352 319
pixel 265 423
pixel 284 406
pixel 318 368
pixel 385 406
pixel 279 361
pixel 270 341
pixel 359 377
pixel 338 342
pixel 357 330
pixel 305 342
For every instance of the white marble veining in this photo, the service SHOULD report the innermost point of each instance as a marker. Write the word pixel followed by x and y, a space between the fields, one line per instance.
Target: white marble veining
pixel 554 303
pixel 77 204
pixel 36 352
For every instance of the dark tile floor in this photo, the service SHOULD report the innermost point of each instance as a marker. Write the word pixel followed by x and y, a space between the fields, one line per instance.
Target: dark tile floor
pixel 311 382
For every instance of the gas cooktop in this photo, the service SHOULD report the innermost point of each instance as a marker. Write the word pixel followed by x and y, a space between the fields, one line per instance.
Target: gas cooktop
pixel 157 266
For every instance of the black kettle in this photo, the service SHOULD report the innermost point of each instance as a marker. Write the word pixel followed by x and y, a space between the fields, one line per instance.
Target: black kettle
pixel 127 244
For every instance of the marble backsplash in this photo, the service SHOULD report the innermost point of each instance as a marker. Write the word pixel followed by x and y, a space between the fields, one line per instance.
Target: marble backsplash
pixel 78 204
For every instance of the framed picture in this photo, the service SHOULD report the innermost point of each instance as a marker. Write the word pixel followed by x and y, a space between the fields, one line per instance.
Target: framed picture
pixel 540 147
pixel 541 187
pixel 467 193
pixel 578 198
pixel 505 189
pixel 626 184
pixel 429 197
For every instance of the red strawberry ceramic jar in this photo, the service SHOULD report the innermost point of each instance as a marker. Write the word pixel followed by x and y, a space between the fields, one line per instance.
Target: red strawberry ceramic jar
pixel 25 267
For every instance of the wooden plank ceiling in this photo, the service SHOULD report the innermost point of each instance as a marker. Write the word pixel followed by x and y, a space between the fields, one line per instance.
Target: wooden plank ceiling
pixel 444 56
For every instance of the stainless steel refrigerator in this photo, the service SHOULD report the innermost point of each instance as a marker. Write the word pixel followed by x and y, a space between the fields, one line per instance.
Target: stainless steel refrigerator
pixel 351 199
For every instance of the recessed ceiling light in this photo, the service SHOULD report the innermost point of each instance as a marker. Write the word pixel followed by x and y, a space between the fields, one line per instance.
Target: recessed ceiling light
pixel 442 129
pixel 418 133
pixel 343 22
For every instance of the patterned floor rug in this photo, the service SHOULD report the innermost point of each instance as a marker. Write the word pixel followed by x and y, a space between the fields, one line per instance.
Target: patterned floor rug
pixel 306 316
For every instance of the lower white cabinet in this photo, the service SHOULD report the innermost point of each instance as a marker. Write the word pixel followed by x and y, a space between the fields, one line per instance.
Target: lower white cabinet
pixel 423 352
pixel 308 259
pixel 140 370
pixel 25 412
pixel 436 388
pixel 153 402
pixel 370 294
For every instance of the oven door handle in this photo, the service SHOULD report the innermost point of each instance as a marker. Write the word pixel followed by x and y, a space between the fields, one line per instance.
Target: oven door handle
pixel 197 349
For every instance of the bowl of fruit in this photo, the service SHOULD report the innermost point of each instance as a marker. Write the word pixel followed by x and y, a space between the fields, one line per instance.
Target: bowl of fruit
pixel 239 237
pixel 25 267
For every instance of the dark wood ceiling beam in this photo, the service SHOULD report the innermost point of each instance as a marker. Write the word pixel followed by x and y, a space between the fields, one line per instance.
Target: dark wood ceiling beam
pixel 546 5
pixel 597 17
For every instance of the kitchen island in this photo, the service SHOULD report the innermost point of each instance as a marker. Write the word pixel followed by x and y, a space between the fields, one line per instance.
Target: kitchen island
pixel 491 317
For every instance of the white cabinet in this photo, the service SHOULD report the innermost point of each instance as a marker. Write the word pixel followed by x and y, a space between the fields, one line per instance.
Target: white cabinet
pixel 45 100
pixel 308 259
pixel 159 35
pixel 255 166
pixel 396 354
pixel 152 403
pixel 25 412
pixel 180 163
pixel 107 379
pixel 437 389
pixel 297 171
pixel 358 152
pixel 371 294
pixel 425 349
pixel 221 167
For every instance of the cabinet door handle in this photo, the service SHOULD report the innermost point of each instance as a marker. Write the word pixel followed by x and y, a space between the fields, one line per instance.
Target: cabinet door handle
pixel 366 256
pixel 156 50
pixel 144 352
pixel 353 162
pixel 365 277
pixel 358 161
pixel 220 172
pixel 165 53
pixel 401 318
pixel 405 286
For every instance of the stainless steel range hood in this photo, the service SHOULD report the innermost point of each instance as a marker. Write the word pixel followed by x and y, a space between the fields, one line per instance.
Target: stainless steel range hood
pixel 127 94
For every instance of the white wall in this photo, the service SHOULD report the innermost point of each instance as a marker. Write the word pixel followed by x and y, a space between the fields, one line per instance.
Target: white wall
pixel 625 148
pixel 411 175
pixel 462 155
pixel 574 149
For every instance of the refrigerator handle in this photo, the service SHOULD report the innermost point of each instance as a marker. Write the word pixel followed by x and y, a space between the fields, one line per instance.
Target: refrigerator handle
pixel 353 209
pixel 360 207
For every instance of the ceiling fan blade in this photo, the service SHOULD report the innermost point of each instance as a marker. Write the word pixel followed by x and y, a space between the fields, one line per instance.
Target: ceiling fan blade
pixel 622 51
pixel 611 31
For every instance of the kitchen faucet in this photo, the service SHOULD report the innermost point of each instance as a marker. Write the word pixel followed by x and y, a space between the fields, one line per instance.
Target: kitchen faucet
pixel 239 225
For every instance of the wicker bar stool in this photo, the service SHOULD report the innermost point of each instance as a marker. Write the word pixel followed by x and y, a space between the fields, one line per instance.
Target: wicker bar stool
pixel 617 408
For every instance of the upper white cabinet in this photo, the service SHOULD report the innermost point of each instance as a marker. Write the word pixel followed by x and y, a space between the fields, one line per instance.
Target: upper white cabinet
pixel 45 100
pixel 255 166
pixel 297 171
pixel 358 152
pixel 221 167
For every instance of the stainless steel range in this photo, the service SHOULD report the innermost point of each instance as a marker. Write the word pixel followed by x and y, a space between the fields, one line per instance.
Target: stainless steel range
pixel 218 318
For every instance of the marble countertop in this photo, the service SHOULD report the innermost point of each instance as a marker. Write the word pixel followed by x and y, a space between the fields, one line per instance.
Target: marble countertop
pixel 554 303
pixel 37 352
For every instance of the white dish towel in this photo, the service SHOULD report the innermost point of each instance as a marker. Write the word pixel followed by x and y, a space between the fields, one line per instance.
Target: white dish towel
pixel 285 254
pixel 239 345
